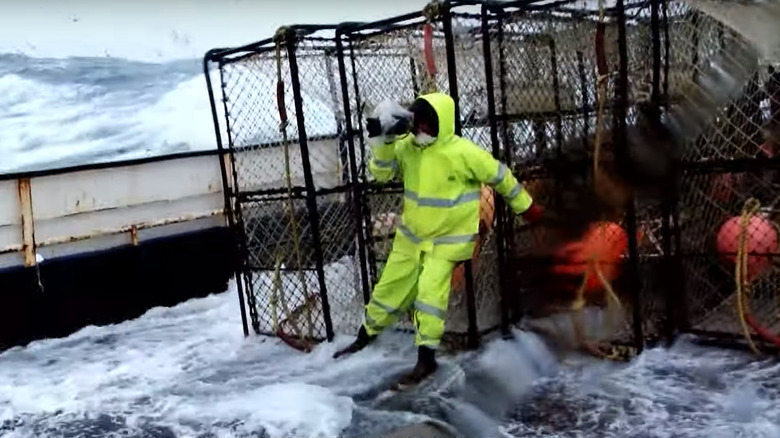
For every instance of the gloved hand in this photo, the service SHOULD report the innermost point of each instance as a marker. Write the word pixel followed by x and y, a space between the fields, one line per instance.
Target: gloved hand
pixel 551 273
pixel 533 214
pixel 388 120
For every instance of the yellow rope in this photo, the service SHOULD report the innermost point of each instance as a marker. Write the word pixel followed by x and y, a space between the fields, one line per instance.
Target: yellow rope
pixel 612 298
pixel 275 289
pixel 280 37
pixel 613 301
pixel 279 288
pixel 750 208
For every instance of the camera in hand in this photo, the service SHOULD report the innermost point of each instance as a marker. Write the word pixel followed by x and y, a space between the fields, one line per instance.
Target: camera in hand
pixel 401 126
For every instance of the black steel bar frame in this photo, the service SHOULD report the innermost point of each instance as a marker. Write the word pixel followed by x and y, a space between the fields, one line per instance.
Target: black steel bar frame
pixel 228 195
pixel 358 196
pixel 492 16
pixel 311 200
pixel 621 138
pixel 500 209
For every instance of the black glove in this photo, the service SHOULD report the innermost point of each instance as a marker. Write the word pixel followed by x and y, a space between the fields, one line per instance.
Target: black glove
pixel 374 127
pixel 389 119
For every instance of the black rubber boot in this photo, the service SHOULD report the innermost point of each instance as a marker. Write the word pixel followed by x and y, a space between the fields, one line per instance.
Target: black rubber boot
pixel 426 365
pixel 362 341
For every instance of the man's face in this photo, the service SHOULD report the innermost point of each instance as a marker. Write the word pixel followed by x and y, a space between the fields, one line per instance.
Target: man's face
pixel 425 124
pixel 422 127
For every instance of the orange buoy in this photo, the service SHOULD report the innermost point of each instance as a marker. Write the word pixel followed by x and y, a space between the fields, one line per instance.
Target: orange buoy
pixel 760 240
pixel 602 245
pixel 486 211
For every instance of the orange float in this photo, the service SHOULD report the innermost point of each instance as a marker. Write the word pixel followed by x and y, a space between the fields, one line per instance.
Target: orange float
pixel 760 240
pixel 486 210
pixel 601 246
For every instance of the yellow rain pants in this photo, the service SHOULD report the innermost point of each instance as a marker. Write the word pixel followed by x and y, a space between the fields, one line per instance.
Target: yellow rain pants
pixel 421 283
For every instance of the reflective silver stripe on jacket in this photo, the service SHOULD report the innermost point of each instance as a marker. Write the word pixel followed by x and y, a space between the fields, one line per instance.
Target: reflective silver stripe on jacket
pixel 439 240
pixel 515 191
pixel 386 164
pixel 499 175
pixel 442 202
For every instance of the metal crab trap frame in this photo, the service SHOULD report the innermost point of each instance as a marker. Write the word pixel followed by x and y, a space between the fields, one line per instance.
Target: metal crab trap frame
pixel 288 183
pixel 725 211
pixel 559 91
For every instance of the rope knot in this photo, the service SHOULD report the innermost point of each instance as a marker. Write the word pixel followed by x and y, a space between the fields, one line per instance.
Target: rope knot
pixel 433 10
pixel 282 35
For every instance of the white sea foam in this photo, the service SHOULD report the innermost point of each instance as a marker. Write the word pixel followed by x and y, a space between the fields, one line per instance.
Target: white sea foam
pixel 188 370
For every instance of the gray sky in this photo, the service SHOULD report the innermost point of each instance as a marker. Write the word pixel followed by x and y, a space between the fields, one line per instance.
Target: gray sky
pixel 165 29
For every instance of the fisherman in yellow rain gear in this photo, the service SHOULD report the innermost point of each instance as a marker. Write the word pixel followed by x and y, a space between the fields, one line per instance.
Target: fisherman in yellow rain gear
pixel 443 175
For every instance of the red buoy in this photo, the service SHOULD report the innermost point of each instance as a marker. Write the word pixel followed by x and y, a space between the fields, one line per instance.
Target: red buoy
pixel 602 245
pixel 430 57
pixel 760 242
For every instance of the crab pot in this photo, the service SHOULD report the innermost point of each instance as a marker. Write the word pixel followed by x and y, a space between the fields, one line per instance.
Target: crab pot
pixel 727 166
pixel 292 192
pixel 563 82
pixel 649 115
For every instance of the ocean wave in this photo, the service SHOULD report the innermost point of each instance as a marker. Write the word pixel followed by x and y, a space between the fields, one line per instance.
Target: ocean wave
pixel 57 113
pixel 64 112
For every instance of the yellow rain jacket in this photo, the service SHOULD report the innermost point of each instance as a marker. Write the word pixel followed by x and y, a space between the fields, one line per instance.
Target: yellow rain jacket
pixel 440 222
pixel 442 186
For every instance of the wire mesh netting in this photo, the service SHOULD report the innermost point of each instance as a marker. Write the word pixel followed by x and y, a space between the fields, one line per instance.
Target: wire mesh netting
pixel 322 102
pixel 715 196
pixel 294 202
pixel 597 112
pixel 555 107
